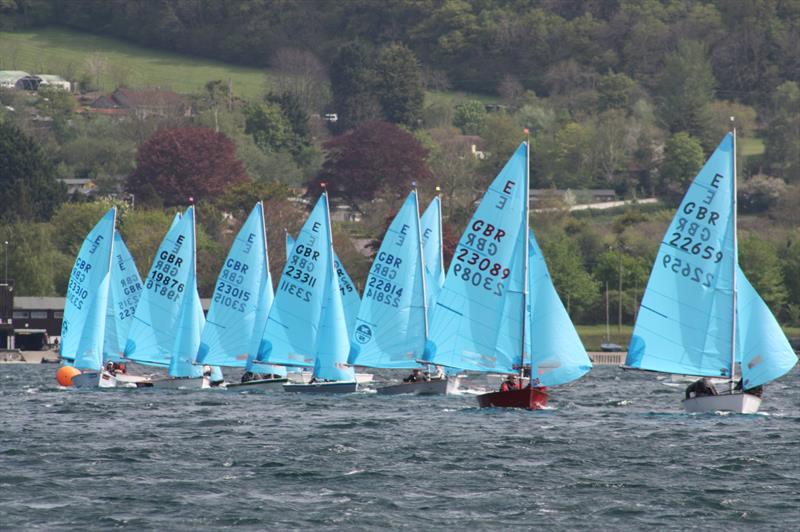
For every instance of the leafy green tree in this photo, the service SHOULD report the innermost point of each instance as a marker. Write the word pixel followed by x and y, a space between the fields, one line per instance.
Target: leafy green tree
pixel 759 261
pixel 686 88
pixel 683 158
pixel 399 85
pixel 353 79
pixel 35 265
pixel 616 91
pixel 297 119
pixel 269 128
pixel 576 286
pixel 790 262
pixel 782 144
pixel 469 117
pixel 28 188
pixel 74 221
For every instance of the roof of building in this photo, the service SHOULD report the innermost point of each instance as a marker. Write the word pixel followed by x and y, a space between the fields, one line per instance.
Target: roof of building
pixel 11 76
pixel 146 97
pixel 51 78
pixel 57 303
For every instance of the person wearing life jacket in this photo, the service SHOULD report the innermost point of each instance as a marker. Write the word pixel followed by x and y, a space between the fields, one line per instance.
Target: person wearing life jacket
pixel 701 388
pixel 758 391
pixel 416 375
pixel 510 384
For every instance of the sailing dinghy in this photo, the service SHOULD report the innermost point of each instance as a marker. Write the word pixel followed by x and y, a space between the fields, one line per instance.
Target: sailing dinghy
pixel 392 324
pixel 699 314
pixel 169 318
pixel 307 325
pixel 484 319
pixel 239 308
pixel 83 329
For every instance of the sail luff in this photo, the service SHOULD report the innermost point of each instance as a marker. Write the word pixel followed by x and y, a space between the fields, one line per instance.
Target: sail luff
pixel 422 265
pixel 734 267
pixel 526 230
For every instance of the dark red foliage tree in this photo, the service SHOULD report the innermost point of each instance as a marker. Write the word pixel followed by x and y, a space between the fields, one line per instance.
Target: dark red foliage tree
pixel 375 158
pixel 187 162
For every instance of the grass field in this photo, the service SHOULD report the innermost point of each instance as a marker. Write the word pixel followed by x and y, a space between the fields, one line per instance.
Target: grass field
pixel 751 146
pixel 64 52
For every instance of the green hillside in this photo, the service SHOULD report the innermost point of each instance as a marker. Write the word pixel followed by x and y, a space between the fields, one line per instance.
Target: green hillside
pixel 64 52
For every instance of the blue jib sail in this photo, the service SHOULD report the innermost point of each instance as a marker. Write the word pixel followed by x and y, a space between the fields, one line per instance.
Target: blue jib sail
pixel 83 327
pixel 241 301
pixel 126 287
pixel 477 321
pixel 557 353
pixel 762 347
pixel 431 228
pixel 161 309
pixel 290 335
pixel 685 320
pixel 391 326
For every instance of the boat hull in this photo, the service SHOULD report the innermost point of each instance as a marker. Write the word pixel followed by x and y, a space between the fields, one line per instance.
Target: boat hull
pixel 431 387
pixel 528 398
pixel 305 376
pixel 257 385
pixel 94 379
pixel 739 403
pixel 187 383
pixel 322 387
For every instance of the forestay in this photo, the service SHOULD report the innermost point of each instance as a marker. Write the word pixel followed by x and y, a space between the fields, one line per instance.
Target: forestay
pixel 557 353
pixel 477 321
pixel 391 327
pixel 170 281
pixel 685 319
pixel 241 301
pixel 125 290
pixel 83 326
pixel 290 335
pixel 431 229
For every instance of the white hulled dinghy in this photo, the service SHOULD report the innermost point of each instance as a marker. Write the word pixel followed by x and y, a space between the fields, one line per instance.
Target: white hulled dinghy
pixel 699 314
pixel 239 308
pixel 307 325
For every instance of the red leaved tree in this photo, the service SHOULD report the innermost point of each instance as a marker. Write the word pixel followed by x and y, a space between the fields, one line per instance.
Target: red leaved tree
pixel 186 162
pixel 376 157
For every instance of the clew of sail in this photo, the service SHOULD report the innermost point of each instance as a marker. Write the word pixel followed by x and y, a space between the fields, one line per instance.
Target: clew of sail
pixel 390 330
pixel 477 321
pixel 558 354
pixel 83 326
pixel 290 334
pixel 762 347
pixel 241 301
pixel 431 229
pixel 125 289
pixel 170 280
pixel 685 318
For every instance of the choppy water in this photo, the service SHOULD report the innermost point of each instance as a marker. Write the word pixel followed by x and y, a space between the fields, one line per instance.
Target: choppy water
pixel 614 452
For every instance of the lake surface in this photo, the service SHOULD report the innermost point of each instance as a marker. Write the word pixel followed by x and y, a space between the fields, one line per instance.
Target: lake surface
pixel 614 452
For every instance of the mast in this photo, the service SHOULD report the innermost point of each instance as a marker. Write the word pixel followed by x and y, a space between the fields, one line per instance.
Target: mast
pixel 441 229
pixel 735 263
pixel 526 212
pixel 421 264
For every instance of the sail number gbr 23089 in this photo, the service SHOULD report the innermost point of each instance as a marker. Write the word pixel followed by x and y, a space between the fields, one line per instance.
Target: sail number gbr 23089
pixel 474 257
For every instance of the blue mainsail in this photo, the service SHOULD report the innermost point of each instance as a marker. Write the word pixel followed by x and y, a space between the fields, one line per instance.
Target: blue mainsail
pixel 762 347
pixel 478 318
pixel 161 309
pixel 242 298
pixel 686 316
pixel 391 327
pixel 557 353
pixel 126 287
pixel 83 326
pixel 431 227
pixel 290 335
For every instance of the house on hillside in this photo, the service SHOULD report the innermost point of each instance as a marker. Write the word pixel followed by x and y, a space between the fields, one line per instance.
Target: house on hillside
pixel 141 103
pixel 54 81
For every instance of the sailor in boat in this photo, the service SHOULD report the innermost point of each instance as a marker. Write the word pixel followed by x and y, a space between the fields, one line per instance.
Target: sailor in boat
pixel 701 388
pixel 416 376
pixel 510 384
pixel 208 374
pixel 758 391
pixel 249 376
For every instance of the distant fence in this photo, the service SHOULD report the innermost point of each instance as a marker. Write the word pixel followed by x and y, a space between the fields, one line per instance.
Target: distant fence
pixel 604 358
